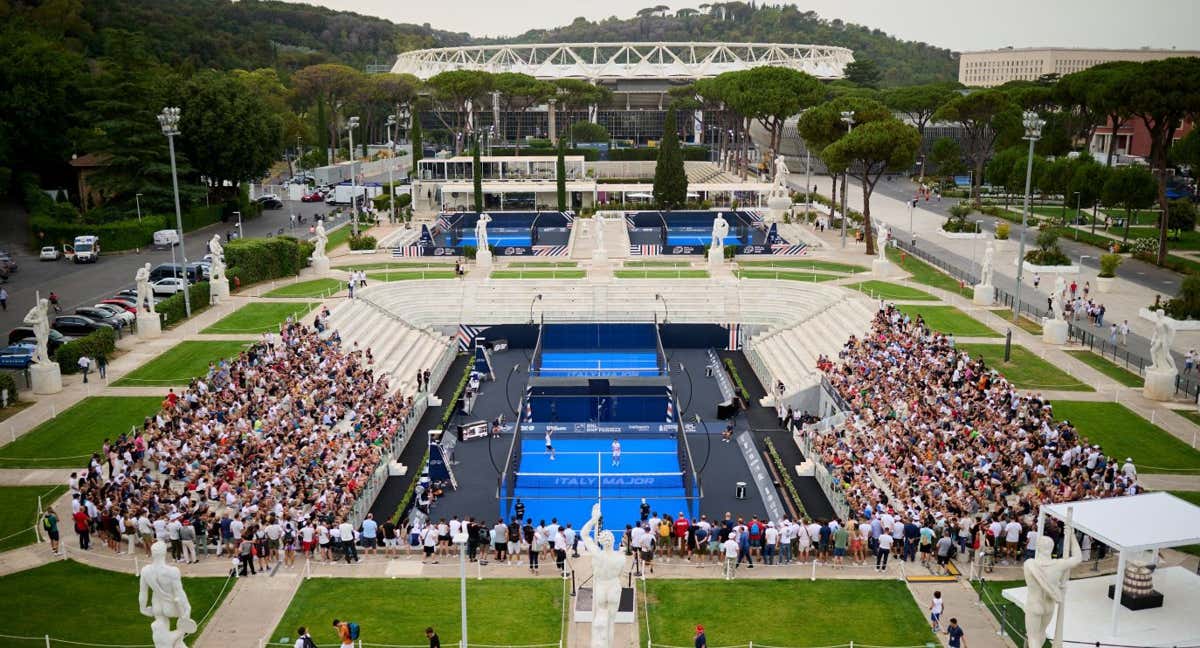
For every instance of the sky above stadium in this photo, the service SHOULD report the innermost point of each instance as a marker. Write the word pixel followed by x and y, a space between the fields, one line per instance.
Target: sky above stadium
pixel 959 25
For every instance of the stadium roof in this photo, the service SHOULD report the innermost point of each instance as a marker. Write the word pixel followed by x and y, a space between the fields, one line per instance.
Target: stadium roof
pixel 625 61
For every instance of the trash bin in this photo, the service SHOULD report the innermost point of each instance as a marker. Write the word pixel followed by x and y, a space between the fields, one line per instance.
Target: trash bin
pixel 740 491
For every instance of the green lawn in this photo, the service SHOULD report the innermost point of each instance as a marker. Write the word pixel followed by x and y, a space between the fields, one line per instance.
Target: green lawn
pixel 807 264
pixel 181 363
pixel 1025 370
pixel 408 275
pixel 1004 610
pixel 416 265
pixel 648 273
pixel 1122 433
pixel 19 513
pixel 75 602
pixel 342 234
pixel 923 273
pixel 567 273
pixel 260 317
pixel 67 440
pixel 517 611
pixel 783 612
pixel 1029 325
pixel 885 290
pixel 949 320
pixel 312 288
pixel 1189 414
pixel 784 274
pixel 1108 368
pixel 657 264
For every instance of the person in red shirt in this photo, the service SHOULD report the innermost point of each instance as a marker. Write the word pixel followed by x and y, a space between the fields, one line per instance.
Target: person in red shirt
pixel 82 522
pixel 681 531
pixel 172 397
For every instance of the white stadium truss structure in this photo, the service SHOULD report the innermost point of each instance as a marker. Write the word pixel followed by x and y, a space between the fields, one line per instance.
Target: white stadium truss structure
pixel 601 62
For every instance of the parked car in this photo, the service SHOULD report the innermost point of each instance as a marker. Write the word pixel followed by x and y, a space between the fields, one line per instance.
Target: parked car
pixel 16 356
pixel 118 311
pixel 24 335
pixel 271 203
pixel 50 253
pixel 167 286
pixel 195 272
pixel 76 325
pixel 127 303
pixel 102 316
pixel 199 271
pixel 315 196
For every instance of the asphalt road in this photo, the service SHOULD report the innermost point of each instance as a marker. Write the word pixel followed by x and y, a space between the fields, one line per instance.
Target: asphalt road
pixel 85 284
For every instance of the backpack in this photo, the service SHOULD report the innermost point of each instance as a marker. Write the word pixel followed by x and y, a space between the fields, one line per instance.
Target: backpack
pixel 46 522
pixel 755 530
pixel 309 643
pixel 353 628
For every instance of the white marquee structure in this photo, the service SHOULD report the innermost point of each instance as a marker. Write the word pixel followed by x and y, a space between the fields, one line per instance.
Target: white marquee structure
pixel 612 62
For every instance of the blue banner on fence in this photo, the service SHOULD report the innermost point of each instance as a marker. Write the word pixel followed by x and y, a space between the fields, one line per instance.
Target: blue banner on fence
pixel 641 427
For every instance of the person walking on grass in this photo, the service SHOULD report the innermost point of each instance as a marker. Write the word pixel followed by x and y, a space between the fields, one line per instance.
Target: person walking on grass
pixel 700 641
pixel 434 640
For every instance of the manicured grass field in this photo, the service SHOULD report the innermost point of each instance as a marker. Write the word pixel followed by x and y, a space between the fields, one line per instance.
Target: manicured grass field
pixel 517 611
pixel 1025 370
pixel 649 273
pixel 949 320
pixel 757 273
pixel 67 440
pixel 567 273
pixel 260 317
pixel 923 273
pixel 806 264
pixel 408 275
pixel 19 513
pixel 74 602
pixel 415 265
pixel 798 613
pixel 1190 414
pixel 1013 617
pixel 1122 433
pixel 885 290
pixel 181 363
pixel 313 288
pixel 342 234
pixel 1025 323
pixel 1108 368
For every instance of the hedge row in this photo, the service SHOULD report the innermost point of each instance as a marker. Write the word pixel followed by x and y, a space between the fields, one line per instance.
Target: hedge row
pixel 173 310
pixel 101 342
pixel 7 382
pixel 253 260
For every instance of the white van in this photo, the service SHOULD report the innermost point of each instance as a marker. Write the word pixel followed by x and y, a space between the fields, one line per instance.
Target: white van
pixel 87 249
pixel 166 238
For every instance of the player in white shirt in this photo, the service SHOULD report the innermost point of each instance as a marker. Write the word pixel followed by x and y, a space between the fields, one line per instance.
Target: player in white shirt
pixel 731 554
pixel 616 453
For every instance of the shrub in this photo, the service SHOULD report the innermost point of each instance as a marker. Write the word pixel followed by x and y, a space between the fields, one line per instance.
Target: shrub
pixel 403 200
pixel 173 310
pixel 259 259
pixel 956 225
pixel 961 210
pixel 1187 304
pixel 363 242
pixel 1049 257
pixel 1144 246
pixel 1002 230
pixel 470 251
pixel 1109 264
pixel 101 342
pixel 452 403
pixel 8 383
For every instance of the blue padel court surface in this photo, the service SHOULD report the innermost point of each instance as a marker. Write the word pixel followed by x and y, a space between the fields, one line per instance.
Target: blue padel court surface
pixel 500 238
pixel 599 363
pixel 696 236
pixel 583 473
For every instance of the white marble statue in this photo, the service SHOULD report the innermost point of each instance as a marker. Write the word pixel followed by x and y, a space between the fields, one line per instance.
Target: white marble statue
pixel 985 270
pixel 885 235
pixel 1160 345
pixel 161 596
pixel 216 268
pixel 481 233
pixel 321 242
pixel 719 232
pixel 38 319
pixel 1056 306
pixel 781 176
pixel 145 296
pixel 1060 287
pixel 1046 579
pixel 599 223
pixel 607 564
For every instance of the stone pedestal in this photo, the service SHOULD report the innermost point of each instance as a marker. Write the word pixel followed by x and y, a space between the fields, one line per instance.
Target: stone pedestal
pixel 716 257
pixel 601 270
pixel 881 268
pixel 320 266
pixel 218 290
pixel 1105 284
pixel 777 206
pixel 1160 384
pixel 483 259
pixel 45 378
pixel 984 295
pixel 149 326
pixel 1054 331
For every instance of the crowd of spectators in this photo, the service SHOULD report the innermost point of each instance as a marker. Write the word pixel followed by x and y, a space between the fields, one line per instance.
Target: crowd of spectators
pixel 265 452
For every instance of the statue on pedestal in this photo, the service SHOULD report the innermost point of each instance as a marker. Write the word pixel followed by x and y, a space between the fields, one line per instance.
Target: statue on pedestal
pixel 985 271
pixel 885 235
pixel 161 596
pixel 481 233
pixel 599 222
pixel 719 232
pixel 216 270
pixel 1046 579
pixel 607 564
pixel 321 242
pixel 145 296
pixel 781 177
pixel 1160 345
pixel 38 319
